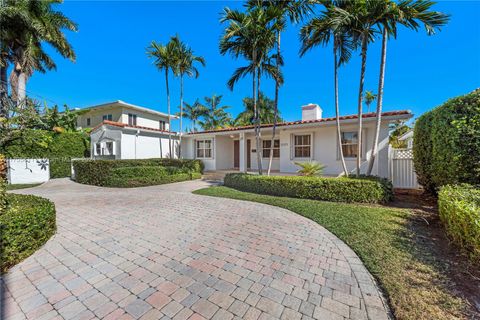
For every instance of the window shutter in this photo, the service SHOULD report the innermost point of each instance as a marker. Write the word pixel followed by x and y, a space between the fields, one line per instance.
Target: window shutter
pixel 194 148
pixel 312 146
pixel 292 146
pixel 214 150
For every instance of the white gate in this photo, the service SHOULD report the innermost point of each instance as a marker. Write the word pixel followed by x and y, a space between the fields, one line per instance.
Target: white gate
pixel 402 171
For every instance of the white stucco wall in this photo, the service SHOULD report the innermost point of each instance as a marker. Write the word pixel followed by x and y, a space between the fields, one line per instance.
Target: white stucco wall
pixel 145 145
pixel 25 171
pixel 224 152
pixel 265 161
pixel 96 116
pixel 145 119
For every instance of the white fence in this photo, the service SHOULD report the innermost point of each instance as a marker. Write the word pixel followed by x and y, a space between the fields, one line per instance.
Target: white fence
pixel 26 171
pixel 402 171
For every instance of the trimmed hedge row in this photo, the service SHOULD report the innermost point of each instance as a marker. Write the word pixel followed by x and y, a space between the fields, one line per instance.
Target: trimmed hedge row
pixel 107 173
pixel 365 189
pixel 27 223
pixel 447 143
pixel 459 209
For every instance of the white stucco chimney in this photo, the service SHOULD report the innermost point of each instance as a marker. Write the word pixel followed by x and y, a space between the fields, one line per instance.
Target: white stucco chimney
pixel 311 111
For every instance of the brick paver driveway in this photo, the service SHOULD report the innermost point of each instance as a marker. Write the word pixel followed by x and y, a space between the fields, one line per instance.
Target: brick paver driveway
pixel 163 253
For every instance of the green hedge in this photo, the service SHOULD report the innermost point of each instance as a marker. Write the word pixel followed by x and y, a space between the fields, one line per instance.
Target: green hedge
pixel 27 223
pixel 447 143
pixel 459 208
pixel 368 190
pixel 58 147
pixel 107 173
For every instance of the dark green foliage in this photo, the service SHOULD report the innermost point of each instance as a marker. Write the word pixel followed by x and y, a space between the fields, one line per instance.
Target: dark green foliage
pixel 447 143
pixel 459 209
pixel 26 225
pixel 58 147
pixel 3 193
pixel 140 172
pixel 368 190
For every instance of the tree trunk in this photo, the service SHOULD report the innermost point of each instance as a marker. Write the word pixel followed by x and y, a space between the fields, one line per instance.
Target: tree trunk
pixel 169 121
pixel 381 81
pixel 360 104
pixel 337 113
pixel 258 135
pixel 275 110
pixel 21 87
pixel 181 118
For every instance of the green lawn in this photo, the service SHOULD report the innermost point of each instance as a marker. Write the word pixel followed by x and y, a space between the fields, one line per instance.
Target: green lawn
pixel 21 186
pixel 383 239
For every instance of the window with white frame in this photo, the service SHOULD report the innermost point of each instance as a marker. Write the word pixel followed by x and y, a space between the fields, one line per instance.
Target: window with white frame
pixel 302 145
pixel 132 119
pixel 88 121
pixel 162 125
pixel 107 117
pixel 267 146
pixel 98 149
pixel 204 149
pixel 109 147
pixel 350 144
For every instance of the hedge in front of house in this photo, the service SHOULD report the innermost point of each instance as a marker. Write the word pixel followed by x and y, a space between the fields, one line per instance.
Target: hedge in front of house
pixel 459 209
pixel 128 177
pixel 446 146
pixel 26 224
pixel 100 172
pixel 367 190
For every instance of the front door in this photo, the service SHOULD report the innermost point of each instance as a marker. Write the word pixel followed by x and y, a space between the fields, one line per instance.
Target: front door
pixel 236 154
pixel 248 153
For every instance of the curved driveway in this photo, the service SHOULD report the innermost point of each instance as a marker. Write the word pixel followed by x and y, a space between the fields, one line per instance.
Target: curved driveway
pixel 163 253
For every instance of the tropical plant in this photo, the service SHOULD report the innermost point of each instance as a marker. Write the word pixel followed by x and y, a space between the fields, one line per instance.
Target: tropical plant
pixel 26 25
pixel 310 168
pixel 252 35
pixel 369 98
pixel 266 109
pixel 396 131
pixel 411 14
pixel 185 65
pixel 216 116
pixel 330 26
pixel 193 112
pixel 165 59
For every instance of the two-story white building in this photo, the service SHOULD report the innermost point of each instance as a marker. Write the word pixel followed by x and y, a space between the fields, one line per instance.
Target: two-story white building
pixel 122 130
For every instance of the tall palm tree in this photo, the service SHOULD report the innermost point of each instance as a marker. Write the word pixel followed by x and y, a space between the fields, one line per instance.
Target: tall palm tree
pixel 369 98
pixel 331 25
pixel 412 14
pixel 193 112
pixel 186 60
pixel 165 60
pixel 294 11
pixel 266 109
pixel 216 116
pixel 251 35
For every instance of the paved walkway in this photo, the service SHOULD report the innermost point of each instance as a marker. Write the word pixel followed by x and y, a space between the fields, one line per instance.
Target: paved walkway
pixel 163 253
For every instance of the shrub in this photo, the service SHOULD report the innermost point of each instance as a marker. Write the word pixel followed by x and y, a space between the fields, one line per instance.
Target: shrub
pixel 310 168
pixel 26 225
pixel 3 185
pixel 107 173
pixel 447 143
pixel 459 208
pixel 369 190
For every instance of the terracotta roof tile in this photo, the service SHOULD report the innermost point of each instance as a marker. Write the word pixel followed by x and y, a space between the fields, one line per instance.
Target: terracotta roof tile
pixel 124 125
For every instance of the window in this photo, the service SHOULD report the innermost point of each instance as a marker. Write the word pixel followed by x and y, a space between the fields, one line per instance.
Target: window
pixel 88 121
pixel 98 149
pixel 162 125
pixel 204 148
pixel 349 144
pixel 109 147
pixel 302 146
pixel 267 146
pixel 107 117
pixel 132 119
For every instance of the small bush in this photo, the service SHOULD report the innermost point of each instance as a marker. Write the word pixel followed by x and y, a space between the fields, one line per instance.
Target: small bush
pixel 26 224
pixel 459 208
pixel 138 172
pixel 310 168
pixel 368 190
pixel 446 146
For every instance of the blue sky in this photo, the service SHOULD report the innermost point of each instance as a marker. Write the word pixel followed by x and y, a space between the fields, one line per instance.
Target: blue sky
pixel 422 71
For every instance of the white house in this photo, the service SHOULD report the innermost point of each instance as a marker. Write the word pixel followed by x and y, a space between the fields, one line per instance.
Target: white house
pixel 125 131
pixel 311 139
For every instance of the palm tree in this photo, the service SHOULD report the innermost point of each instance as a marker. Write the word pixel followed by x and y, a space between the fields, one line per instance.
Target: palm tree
pixel 216 116
pixel 294 11
pixel 411 14
pixel 193 112
pixel 266 109
pixel 369 98
pixel 185 66
pixel 330 25
pixel 252 36
pixel 26 25
pixel 165 60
